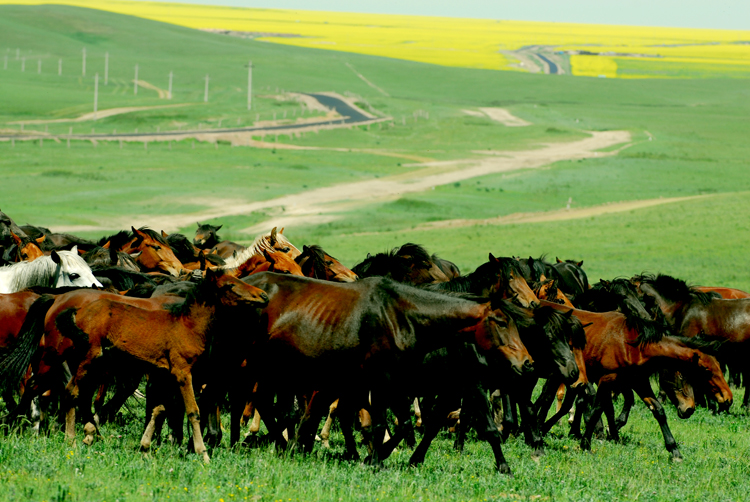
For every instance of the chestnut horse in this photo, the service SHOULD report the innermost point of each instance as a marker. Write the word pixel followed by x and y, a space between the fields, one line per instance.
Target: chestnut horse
pixel 271 242
pixel 317 264
pixel 28 249
pixel 370 335
pixel 154 253
pixel 694 313
pixel 615 352
pixel 170 339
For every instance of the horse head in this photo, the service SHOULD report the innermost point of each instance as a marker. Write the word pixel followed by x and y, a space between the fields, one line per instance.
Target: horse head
pixel 497 334
pixel 316 263
pixel 679 391
pixel 233 292
pixel 28 249
pixel 511 284
pixel 155 253
pixel 72 270
pixel 206 236
pixel 282 263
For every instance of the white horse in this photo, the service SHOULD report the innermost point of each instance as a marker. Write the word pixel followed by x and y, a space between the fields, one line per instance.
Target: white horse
pixel 60 269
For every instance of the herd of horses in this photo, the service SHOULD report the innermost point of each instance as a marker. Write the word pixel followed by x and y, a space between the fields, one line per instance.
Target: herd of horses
pixel 400 341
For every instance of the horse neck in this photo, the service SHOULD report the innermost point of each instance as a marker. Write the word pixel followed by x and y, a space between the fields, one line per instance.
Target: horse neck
pixel 199 318
pixel 671 348
pixel 449 314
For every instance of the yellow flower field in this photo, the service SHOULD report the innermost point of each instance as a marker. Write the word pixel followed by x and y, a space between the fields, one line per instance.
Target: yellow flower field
pixel 627 51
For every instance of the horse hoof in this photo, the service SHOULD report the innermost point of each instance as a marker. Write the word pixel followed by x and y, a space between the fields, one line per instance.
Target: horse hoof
pixel 676 456
pixel 504 469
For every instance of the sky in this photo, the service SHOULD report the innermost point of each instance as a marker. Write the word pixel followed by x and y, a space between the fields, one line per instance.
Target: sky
pixel 721 14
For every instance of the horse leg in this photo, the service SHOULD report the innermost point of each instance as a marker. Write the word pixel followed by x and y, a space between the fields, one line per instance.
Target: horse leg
pixel 542 404
pixel 108 411
pixel 435 417
pixel 193 415
pixel 746 381
pixel 622 418
pixel 478 407
pixel 510 417
pixel 496 403
pixel 417 413
pixel 602 393
pixel 402 410
pixel 570 397
pixel 326 432
pixel 346 415
pixel 378 408
pixel 528 418
pixel 150 429
pixel 643 389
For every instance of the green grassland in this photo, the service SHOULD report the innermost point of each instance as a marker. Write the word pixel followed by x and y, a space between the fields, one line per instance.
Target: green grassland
pixel 699 146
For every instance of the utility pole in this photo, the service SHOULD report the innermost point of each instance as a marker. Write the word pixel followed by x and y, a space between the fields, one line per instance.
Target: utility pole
pixel 135 88
pixel 169 93
pixel 249 84
pixel 83 72
pixel 205 92
pixel 106 68
pixel 59 67
pixel 96 93
pixel 23 63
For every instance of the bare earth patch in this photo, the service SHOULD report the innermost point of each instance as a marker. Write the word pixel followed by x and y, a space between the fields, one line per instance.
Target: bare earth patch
pixel 504 117
pixel 101 114
pixel 560 214
pixel 327 203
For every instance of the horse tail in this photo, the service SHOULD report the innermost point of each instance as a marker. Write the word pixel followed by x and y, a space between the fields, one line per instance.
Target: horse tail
pixel 66 325
pixel 15 359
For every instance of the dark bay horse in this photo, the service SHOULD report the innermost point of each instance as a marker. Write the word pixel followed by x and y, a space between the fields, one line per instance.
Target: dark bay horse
pixel 500 276
pixel 409 264
pixel 346 339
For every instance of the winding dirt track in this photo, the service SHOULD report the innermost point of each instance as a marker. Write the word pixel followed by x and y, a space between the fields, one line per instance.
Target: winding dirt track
pixel 325 204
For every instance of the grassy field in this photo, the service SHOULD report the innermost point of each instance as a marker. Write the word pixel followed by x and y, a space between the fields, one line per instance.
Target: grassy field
pixel 689 139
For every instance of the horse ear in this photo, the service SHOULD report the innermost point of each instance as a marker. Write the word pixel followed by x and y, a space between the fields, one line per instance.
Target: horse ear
pixel 580 263
pixel 199 225
pixel 113 257
pixel 369 255
pixel 267 256
pixel 492 258
pixel 218 228
pixel 569 313
pixel 558 259
pixel 305 249
pixel 164 234
pixel 16 238
pixel 107 244
pixel 41 239
pixel 74 249
pixel 282 230
pixel 55 257
pixel 273 236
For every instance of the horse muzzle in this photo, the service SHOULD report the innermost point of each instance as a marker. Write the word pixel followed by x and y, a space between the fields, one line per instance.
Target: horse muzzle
pixel 686 412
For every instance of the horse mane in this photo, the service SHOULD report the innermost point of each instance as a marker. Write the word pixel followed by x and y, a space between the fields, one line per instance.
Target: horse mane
pixel 524 318
pixel 257 247
pixel 417 252
pixel 200 293
pixel 122 279
pixel 182 248
pixel 485 275
pixel 151 233
pixel 39 271
pixel 318 257
pixel 708 345
pixel 677 290
pixel 559 322
pixel 115 240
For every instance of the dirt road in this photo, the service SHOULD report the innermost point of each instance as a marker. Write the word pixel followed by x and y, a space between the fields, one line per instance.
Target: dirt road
pixel 323 204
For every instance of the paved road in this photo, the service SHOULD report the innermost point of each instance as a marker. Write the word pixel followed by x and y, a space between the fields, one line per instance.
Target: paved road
pixel 349 116
pixel 552 66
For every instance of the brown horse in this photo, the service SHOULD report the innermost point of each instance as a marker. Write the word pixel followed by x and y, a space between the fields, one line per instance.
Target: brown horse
pixel 614 351
pixel 270 242
pixel 499 276
pixel 28 249
pixel 725 293
pixel 154 251
pixel 409 264
pixel 694 313
pixel 317 264
pixel 370 335
pixel 169 339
